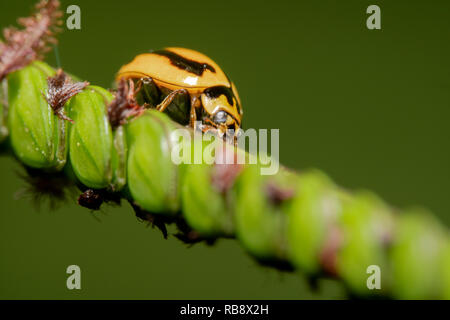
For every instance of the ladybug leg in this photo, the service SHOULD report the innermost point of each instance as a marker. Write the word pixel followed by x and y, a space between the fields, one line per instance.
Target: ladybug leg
pixel 192 117
pixel 195 104
pixel 168 100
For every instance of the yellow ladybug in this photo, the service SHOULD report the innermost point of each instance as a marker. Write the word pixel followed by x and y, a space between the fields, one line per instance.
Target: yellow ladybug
pixel 187 85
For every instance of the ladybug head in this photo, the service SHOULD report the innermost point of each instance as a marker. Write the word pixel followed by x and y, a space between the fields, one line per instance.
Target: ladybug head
pixel 221 111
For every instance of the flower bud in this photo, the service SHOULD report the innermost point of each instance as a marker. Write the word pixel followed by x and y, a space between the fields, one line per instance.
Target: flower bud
pixel 315 207
pixel 445 270
pixel 260 212
pixel 366 227
pixel 207 192
pixel 91 138
pixel 417 256
pixel 153 178
pixel 38 136
pixel 119 159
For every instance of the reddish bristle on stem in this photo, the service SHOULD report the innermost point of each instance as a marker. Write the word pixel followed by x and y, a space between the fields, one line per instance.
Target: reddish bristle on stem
pixel 124 105
pixel 60 90
pixel 20 47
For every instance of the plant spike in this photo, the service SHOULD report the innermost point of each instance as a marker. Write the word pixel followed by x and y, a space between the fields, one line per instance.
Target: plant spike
pixel 118 149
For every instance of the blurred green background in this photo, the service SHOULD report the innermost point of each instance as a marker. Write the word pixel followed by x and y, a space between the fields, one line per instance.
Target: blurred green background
pixel 369 107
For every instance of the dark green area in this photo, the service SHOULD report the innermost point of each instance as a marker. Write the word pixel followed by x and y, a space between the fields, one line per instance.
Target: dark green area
pixel 370 108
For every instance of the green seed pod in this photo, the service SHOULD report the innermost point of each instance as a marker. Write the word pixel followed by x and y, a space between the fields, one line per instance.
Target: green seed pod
pixel 204 207
pixel 315 208
pixel 3 109
pixel 119 159
pixel 206 192
pixel 416 256
pixel 445 271
pixel 260 211
pixel 91 138
pixel 153 178
pixel 38 136
pixel 366 226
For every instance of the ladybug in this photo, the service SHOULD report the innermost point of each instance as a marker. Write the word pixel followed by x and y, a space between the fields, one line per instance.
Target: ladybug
pixel 188 86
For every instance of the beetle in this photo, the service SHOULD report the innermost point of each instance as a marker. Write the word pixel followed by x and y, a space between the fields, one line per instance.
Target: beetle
pixel 187 85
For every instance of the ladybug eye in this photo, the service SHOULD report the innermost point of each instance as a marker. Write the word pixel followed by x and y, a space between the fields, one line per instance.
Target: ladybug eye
pixel 220 117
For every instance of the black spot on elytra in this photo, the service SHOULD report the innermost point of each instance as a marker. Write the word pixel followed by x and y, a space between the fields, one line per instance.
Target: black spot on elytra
pixel 217 91
pixel 183 63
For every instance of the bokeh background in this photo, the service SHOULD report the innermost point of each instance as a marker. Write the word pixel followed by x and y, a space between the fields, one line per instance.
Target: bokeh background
pixel 369 107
